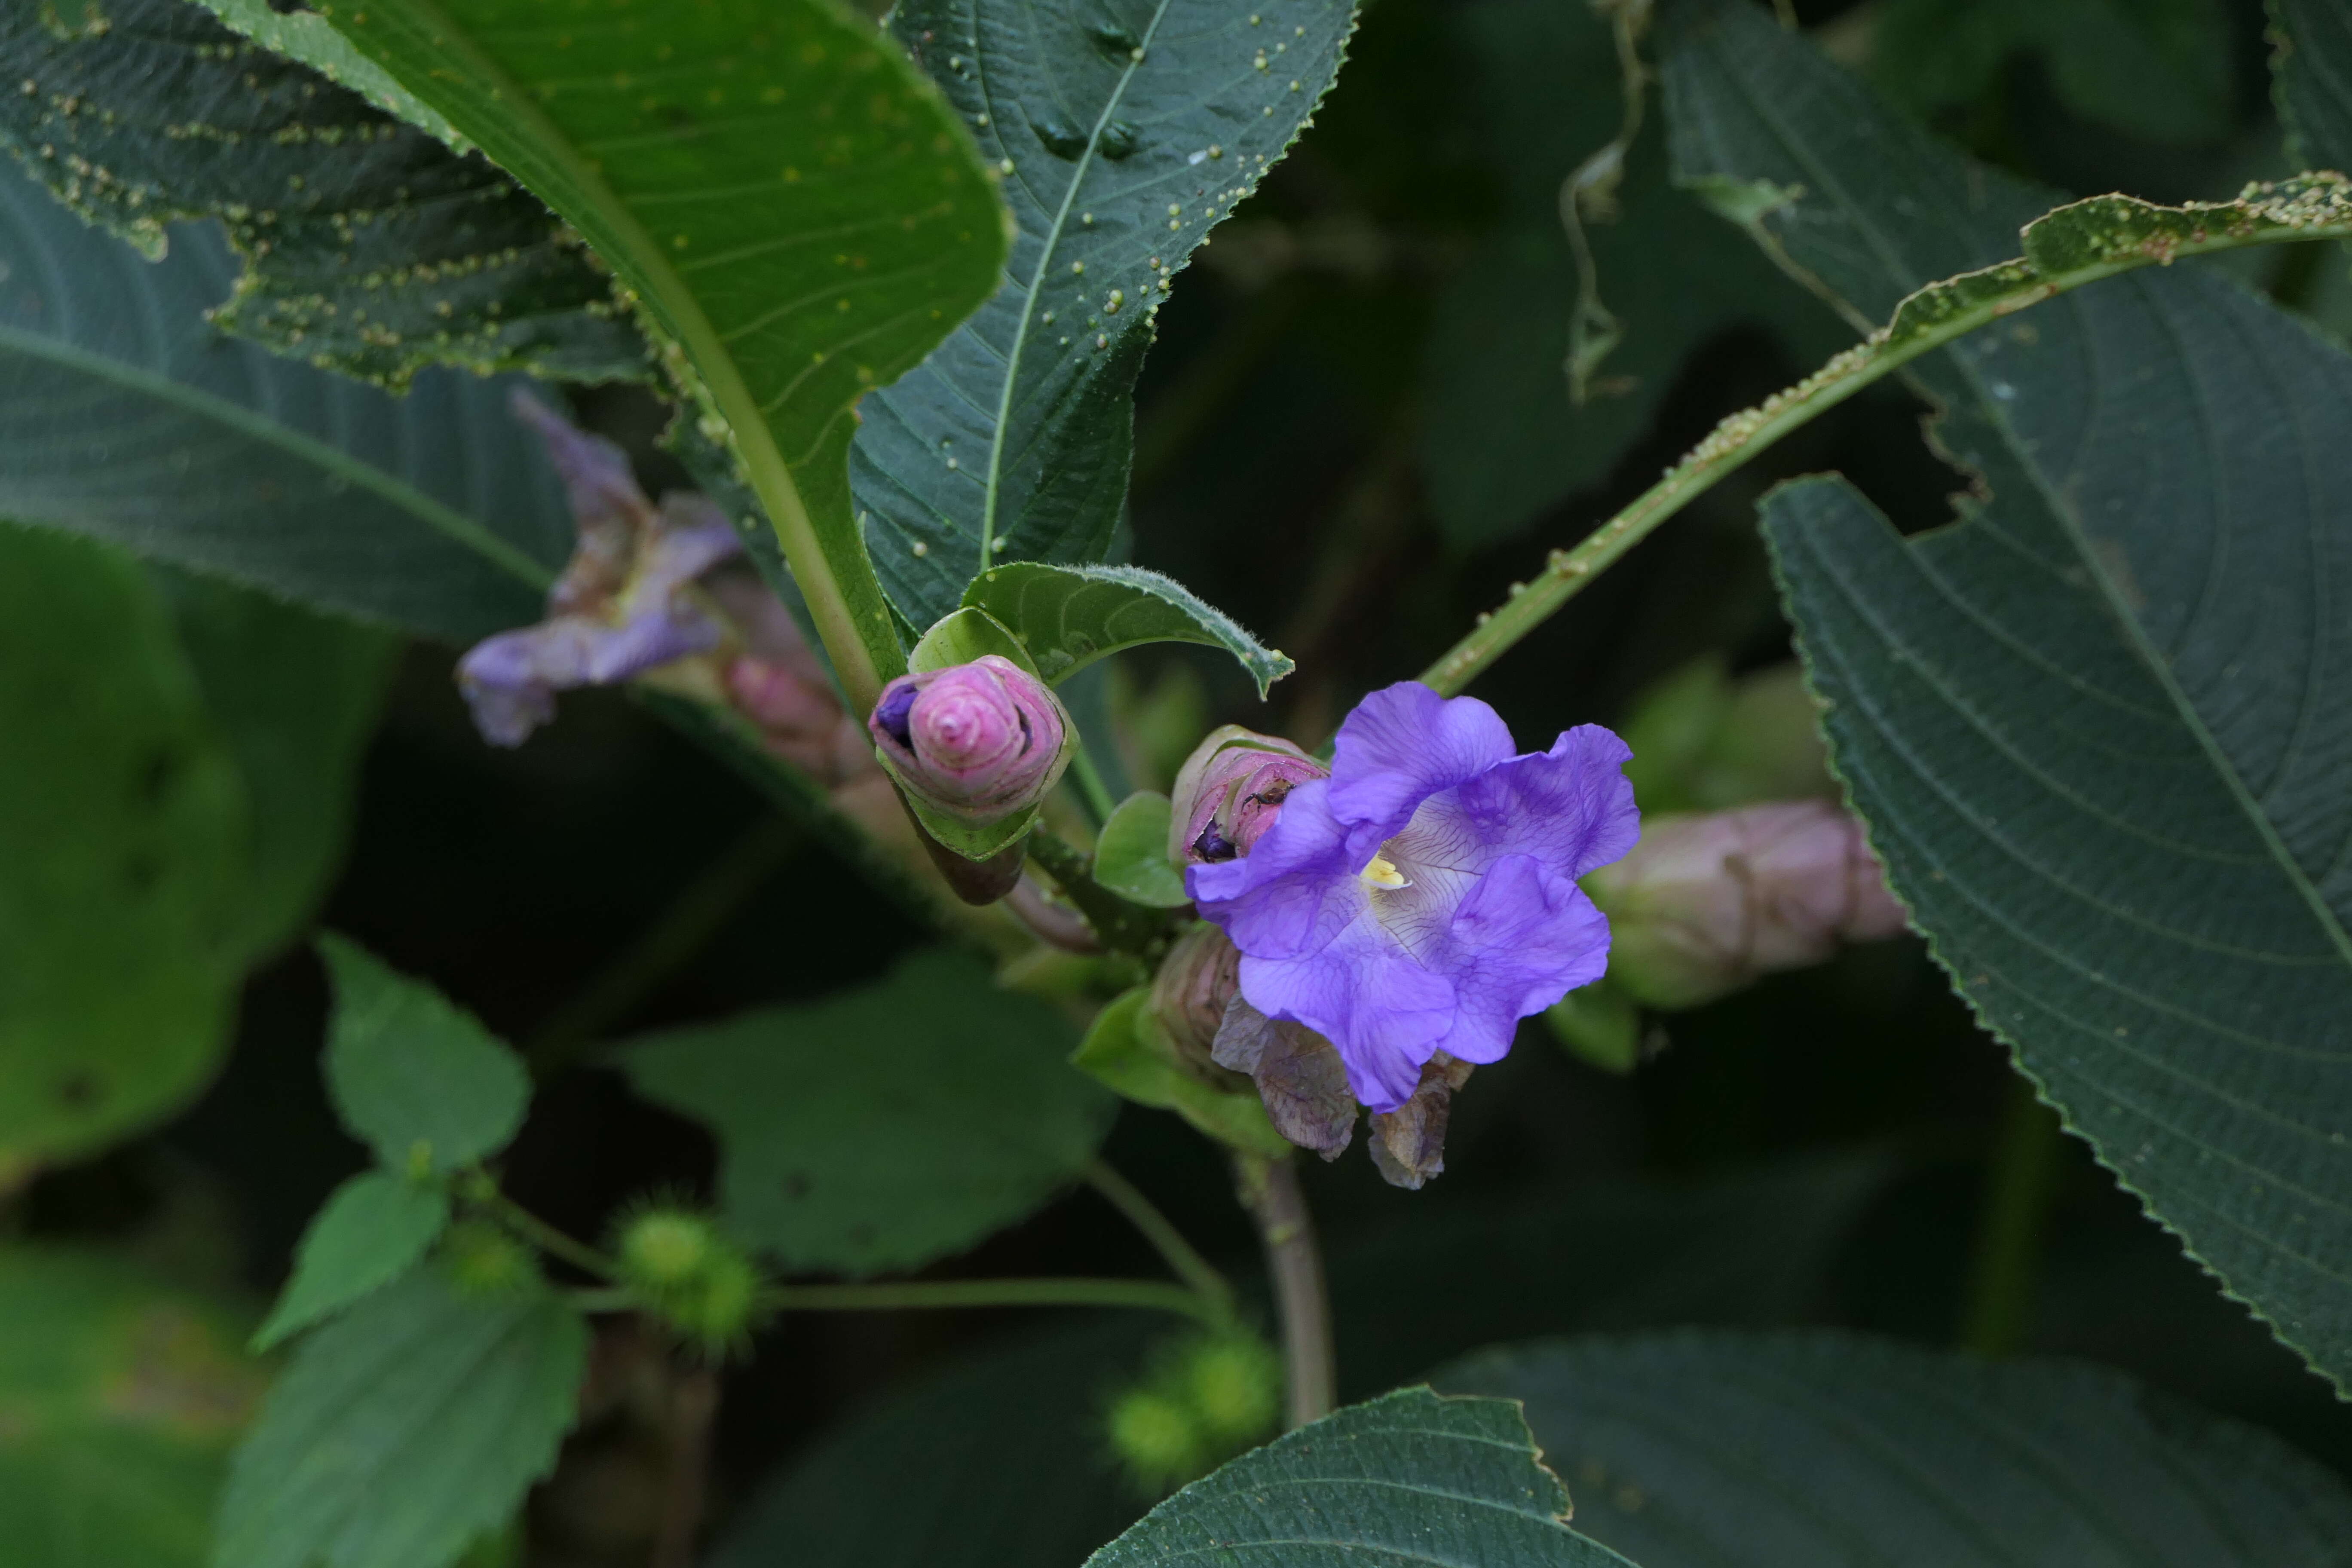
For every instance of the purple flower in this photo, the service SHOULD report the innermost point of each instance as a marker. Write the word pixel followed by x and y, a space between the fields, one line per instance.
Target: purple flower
pixel 1424 898
pixel 978 741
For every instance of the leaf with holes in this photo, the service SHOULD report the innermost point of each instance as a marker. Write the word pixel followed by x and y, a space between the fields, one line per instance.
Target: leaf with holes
pixel 791 203
pixel 126 418
pixel 1068 617
pixel 1794 1450
pixel 366 244
pixel 1126 130
pixel 886 1126
pixel 2098 725
pixel 1411 1477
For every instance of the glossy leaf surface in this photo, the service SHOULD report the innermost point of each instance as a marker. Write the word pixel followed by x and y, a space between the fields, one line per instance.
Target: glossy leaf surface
pixel 884 1126
pixel 1125 131
pixel 2096 726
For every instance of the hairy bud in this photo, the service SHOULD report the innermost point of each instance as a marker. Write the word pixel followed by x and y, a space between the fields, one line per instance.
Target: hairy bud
pixel 1705 904
pixel 693 1279
pixel 977 742
pixel 1228 792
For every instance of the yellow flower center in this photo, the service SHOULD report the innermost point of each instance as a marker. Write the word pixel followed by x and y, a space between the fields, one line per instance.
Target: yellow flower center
pixel 1382 873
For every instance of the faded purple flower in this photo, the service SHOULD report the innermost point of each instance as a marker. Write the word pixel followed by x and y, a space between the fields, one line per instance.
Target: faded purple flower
pixel 620 607
pixel 1424 898
pixel 978 741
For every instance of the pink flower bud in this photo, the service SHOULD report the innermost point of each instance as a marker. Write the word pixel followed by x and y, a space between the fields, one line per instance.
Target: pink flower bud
pixel 1704 904
pixel 1228 792
pixel 978 741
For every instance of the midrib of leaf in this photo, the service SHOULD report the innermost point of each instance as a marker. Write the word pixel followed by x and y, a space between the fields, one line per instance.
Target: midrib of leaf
pixel 1864 217
pixel 859 654
pixel 459 528
pixel 1038 278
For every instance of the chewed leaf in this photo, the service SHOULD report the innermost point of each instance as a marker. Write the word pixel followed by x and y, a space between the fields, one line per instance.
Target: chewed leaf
pixel 1068 617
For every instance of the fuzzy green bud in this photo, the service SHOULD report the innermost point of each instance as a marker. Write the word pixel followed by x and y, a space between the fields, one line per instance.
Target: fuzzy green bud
pixel 691 1278
pixel 664 1248
pixel 1236 1383
pixel 1158 1439
pixel 484 1261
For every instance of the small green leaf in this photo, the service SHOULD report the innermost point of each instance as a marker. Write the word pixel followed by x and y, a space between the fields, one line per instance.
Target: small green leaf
pixel 406 1429
pixel 1121 1053
pixel 123 851
pixel 1068 617
pixel 1414 1477
pixel 436 512
pixel 419 1080
pixel 369 1232
pixel 1793 1450
pixel 1124 136
pixel 366 244
pixel 121 1397
pixel 886 1126
pixel 1131 853
pixel 962 636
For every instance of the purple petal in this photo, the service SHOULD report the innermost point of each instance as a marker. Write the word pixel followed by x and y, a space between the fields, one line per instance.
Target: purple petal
pixel 1571 808
pixel 595 473
pixel 1296 889
pixel 610 654
pixel 1384 1012
pixel 1404 743
pixel 1524 938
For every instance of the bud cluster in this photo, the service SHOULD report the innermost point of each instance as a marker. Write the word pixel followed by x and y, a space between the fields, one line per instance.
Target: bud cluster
pixel 1203 1400
pixel 692 1277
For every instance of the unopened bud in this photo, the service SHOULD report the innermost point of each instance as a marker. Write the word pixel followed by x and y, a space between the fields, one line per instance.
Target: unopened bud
pixel 1228 792
pixel 484 1261
pixel 976 742
pixel 1200 976
pixel 1704 904
pixel 692 1277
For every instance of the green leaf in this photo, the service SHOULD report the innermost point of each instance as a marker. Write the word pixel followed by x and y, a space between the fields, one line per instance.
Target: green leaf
pixel 791 203
pixel 130 419
pixel 962 636
pixel 419 1080
pixel 1599 1025
pixel 2311 75
pixel 1126 131
pixel 1068 617
pixel 1690 1450
pixel 122 852
pixel 2097 725
pixel 296 696
pixel 404 1430
pixel 2160 69
pixel 123 1397
pixel 307 36
pixel 1412 1476
pixel 1501 441
pixel 886 1126
pixel 369 1232
pixel 1131 853
pixel 1121 1053
pixel 998 1462
pixel 367 245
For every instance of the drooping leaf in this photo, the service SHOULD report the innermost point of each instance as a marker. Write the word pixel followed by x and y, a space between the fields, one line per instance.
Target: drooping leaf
pixel 123 829
pixel 370 1230
pixel 1131 853
pixel 1412 1476
pixel 792 205
pixel 999 1461
pixel 1798 1450
pixel 2311 71
pixel 296 696
pixel 1068 617
pixel 367 245
pixel 1125 130
pixel 1120 1053
pixel 127 417
pixel 123 1397
pixel 419 1080
pixel 2096 726
pixel 884 1126
pixel 1502 440
pixel 2160 69
pixel 406 1429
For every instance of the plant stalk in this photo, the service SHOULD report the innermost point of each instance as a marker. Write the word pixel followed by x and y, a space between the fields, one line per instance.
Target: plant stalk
pixel 1269 1189
pixel 2020 1181
pixel 1152 1295
pixel 1179 1254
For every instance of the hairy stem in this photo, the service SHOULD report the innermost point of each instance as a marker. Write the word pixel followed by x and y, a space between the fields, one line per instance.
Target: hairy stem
pixel 1269 1189
pixel 2310 207
pixel 1153 1294
pixel 2020 1183
pixel 1128 927
pixel 1168 1241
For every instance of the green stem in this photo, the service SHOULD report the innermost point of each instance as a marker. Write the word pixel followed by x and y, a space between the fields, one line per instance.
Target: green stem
pixel 2020 1183
pixel 1152 1295
pixel 1929 320
pixel 1123 926
pixel 1091 788
pixel 483 1193
pixel 699 911
pixel 1165 1239
pixel 1269 1189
